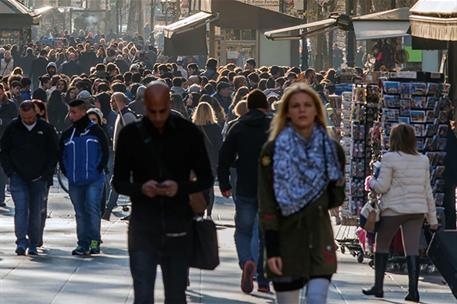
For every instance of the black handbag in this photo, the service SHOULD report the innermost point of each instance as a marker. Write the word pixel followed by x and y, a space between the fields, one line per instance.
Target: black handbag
pixel 205 249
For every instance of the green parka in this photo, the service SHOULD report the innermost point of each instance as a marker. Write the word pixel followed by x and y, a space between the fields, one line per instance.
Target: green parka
pixel 306 243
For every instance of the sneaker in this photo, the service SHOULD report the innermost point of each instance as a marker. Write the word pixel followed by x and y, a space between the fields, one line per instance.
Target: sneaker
pixel 20 250
pixel 247 277
pixel 80 251
pixel 33 250
pixel 94 247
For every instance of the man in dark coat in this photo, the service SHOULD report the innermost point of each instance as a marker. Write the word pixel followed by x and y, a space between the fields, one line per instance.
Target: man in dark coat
pixel 39 68
pixel 71 67
pixel 27 61
pixel 29 157
pixel 88 59
pixel 158 182
pixel 242 148
pixel 8 112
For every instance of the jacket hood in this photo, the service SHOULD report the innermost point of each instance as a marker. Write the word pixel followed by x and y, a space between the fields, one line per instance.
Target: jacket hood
pixel 51 64
pixel 253 118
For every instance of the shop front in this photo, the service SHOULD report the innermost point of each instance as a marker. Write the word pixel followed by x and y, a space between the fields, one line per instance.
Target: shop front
pixel 234 37
pixel 15 23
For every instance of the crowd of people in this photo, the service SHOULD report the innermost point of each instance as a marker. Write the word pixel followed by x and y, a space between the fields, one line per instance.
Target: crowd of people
pixel 106 111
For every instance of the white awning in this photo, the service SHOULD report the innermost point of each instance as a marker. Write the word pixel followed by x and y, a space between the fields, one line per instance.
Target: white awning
pixel 313 27
pixel 368 30
pixel 435 19
pixel 187 24
pixel 387 24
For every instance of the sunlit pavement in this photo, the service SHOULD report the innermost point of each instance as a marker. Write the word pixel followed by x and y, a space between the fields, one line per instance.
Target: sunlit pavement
pixel 57 277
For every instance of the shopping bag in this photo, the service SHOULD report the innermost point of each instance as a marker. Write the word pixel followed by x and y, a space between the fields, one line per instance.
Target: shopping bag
pixel 205 249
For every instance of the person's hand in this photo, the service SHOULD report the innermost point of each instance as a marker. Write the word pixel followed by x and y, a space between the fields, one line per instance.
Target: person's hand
pixel 275 265
pixel 150 188
pixel 434 227
pixel 227 193
pixel 167 188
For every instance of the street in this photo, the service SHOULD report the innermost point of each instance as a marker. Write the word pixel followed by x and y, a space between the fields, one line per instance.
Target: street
pixel 57 277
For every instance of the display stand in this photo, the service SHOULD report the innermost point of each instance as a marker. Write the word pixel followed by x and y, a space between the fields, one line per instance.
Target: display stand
pixel 420 100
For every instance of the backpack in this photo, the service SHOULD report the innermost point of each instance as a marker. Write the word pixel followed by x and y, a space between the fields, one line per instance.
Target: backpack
pixel 82 156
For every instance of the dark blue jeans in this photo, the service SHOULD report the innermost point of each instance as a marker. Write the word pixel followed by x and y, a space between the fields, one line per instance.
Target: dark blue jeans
pixel 28 200
pixel 3 182
pixel 143 267
pixel 87 203
pixel 248 240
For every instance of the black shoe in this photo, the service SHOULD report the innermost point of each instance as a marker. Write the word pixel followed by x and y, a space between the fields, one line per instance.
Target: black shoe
pixel 33 250
pixel 380 260
pixel 80 251
pixel 20 250
pixel 413 277
pixel 2 204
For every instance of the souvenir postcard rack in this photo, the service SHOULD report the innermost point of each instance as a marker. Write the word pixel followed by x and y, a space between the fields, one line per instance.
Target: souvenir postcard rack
pixel 420 100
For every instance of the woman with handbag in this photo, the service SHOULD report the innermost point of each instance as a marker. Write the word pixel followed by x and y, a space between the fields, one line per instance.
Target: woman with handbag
pixel 406 197
pixel 300 178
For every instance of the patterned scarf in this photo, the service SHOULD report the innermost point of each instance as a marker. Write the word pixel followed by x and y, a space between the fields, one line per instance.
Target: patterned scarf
pixel 303 168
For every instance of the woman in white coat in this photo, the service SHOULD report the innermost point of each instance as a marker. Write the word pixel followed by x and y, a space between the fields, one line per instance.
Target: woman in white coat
pixel 406 197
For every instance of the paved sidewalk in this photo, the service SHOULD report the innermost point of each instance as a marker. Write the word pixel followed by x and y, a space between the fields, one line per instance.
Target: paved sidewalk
pixel 57 277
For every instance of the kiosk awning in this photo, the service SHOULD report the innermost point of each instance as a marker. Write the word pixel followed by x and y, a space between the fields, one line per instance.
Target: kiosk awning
pixel 291 33
pixel 187 24
pixel 435 19
pixel 382 25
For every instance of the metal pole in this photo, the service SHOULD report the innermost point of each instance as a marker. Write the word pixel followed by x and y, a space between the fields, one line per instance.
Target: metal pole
pixel 304 42
pixel 350 39
pixel 151 21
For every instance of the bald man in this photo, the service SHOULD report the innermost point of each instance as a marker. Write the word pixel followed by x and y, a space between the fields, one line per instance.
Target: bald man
pixel 153 162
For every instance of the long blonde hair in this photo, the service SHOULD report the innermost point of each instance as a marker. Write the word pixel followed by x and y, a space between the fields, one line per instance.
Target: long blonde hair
pixel 204 115
pixel 280 120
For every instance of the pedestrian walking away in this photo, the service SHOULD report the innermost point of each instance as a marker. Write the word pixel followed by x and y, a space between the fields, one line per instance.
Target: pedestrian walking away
pixel 29 152
pixel 83 159
pixel 406 197
pixel 243 144
pixel 167 148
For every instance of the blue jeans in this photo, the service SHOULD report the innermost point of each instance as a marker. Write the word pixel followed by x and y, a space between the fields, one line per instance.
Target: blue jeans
pixel 3 182
pixel 248 240
pixel 175 271
pixel 28 201
pixel 87 203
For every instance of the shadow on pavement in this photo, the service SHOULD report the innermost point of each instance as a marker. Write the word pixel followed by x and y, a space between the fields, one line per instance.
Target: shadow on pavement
pixel 197 297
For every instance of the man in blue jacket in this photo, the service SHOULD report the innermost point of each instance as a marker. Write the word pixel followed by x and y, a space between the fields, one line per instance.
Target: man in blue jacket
pixel 83 159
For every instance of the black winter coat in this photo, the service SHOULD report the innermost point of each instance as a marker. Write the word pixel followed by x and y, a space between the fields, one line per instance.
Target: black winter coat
pixel 241 149
pixel 213 141
pixel 8 112
pixel 71 68
pixel 171 155
pixel 29 154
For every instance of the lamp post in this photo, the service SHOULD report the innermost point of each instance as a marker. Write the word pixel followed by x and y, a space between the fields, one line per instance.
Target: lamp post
pixel 304 41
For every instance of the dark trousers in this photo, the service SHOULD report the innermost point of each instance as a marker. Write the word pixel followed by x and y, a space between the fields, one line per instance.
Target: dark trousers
pixel 28 200
pixel 449 207
pixel 143 267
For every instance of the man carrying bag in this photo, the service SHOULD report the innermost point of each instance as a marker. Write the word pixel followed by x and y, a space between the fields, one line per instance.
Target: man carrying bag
pixel 153 162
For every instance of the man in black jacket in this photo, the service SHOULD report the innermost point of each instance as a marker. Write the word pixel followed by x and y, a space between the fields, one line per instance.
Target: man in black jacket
pixel 28 156
pixel 39 68
pixel 242 147
pixel 71 67
pixel 8 112
pixel 157 179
